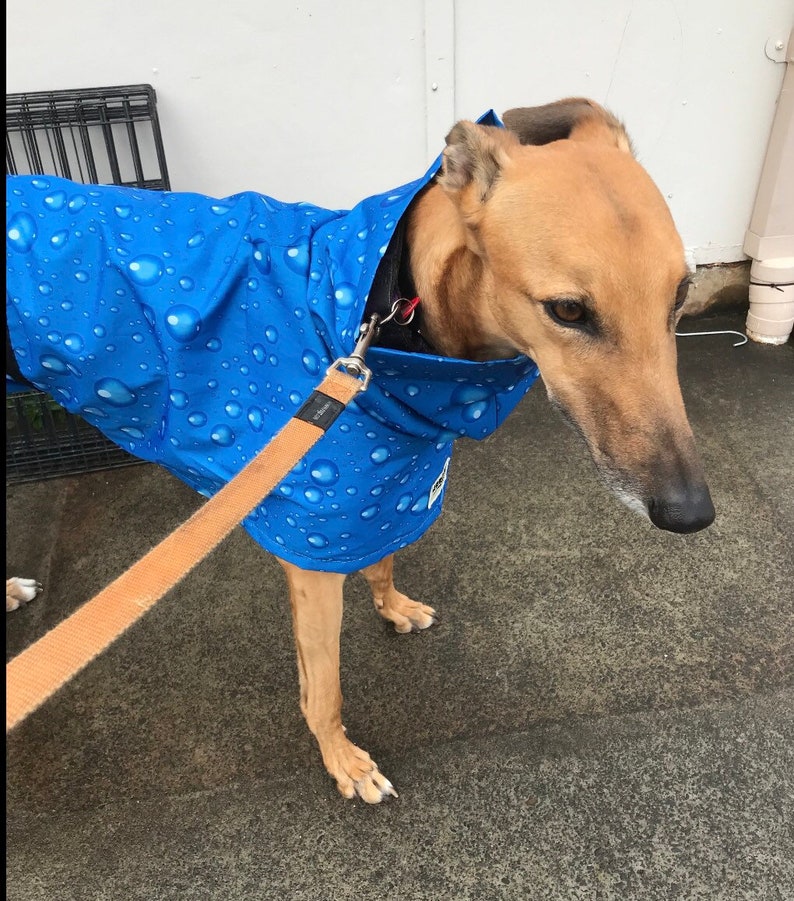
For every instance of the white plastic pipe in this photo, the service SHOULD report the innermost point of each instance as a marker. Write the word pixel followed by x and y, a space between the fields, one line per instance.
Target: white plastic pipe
pixel 769 239
pixel 770 318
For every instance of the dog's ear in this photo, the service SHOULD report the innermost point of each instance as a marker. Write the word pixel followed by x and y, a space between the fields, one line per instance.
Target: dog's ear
pixel 473 158
pixel 575 118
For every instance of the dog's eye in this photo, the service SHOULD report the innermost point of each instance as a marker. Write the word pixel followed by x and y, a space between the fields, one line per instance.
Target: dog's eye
pixel 681 294
pixel 567 312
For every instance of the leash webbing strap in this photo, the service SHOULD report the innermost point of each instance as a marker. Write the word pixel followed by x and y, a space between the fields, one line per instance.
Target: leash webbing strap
pixel 41 669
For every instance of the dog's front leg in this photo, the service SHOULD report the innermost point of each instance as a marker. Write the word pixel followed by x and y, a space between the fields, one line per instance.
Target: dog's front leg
pixel 316 600
pixel 407 615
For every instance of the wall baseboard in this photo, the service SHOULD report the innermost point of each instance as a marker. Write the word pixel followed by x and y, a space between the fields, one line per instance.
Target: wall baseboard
pixel 719 288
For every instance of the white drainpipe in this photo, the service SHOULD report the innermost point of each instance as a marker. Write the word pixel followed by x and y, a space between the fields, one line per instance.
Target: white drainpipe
pixel 769 240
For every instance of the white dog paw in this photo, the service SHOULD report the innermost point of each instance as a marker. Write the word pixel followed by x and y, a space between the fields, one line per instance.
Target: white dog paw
pixel 20 591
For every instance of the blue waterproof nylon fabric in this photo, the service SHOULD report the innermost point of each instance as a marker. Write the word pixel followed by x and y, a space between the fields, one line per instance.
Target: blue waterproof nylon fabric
pixel 190 329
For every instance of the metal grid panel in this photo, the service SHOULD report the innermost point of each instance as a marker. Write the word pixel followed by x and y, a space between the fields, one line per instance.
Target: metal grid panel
pixel 93 136
pixel 43 441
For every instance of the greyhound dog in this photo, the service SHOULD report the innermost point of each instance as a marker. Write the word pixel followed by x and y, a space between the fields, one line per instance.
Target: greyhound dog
pixel 542 245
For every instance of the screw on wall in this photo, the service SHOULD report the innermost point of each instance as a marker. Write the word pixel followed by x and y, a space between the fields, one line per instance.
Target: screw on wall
pixel 776 49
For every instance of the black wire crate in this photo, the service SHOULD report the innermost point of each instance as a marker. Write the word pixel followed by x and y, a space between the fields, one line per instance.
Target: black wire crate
pixel 44 441
pixel 92 136
pixel 101 136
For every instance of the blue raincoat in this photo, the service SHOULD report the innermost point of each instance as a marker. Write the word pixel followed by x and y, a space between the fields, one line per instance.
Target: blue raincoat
pixel 189 330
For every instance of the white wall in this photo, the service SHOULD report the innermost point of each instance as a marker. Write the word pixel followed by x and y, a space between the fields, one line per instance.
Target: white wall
pixel 329 101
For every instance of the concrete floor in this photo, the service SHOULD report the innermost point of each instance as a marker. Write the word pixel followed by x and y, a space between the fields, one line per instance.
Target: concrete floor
pixel 604 712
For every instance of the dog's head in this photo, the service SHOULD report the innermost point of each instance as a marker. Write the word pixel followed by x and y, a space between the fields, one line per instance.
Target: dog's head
pixel 583 270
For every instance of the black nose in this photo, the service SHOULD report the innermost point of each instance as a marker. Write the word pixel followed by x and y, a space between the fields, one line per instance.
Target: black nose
pixel 684 510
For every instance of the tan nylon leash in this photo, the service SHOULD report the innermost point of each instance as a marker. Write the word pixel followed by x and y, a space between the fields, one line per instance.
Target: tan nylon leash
pixel 49 663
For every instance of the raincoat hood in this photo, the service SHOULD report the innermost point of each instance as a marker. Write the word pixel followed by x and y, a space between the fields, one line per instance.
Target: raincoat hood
pixel 190 329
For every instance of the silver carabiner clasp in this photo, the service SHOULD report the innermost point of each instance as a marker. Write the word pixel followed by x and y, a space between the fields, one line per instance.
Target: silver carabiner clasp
pixel 354 364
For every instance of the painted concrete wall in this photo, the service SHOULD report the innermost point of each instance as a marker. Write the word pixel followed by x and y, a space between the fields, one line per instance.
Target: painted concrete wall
pixel 330 101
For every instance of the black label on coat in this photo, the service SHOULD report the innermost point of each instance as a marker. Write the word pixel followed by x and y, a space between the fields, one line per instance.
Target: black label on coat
pixel 320 410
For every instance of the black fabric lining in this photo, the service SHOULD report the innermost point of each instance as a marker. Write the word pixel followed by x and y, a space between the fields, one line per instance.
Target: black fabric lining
pixel 393 280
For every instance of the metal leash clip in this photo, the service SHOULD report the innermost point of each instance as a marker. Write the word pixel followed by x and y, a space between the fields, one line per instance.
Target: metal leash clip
pixel 354 364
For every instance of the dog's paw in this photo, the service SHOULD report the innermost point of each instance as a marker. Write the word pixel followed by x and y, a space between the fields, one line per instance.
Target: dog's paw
pixel 407 615
pixel 357 775
pixel 20 591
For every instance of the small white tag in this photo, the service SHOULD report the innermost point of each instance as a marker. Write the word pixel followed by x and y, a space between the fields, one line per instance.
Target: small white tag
pixel 438 486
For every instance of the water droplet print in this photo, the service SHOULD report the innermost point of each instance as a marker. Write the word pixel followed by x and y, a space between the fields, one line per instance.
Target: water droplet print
pixel 183 322
pixel 55 201
pixel 345 295
pixel 318 540
pixel 53 363
pixel 58 239
pixel 256 418
pixel 311 362
pixel 473 400
pixel 222 435
pixel 379 454
pixel 21 232
pixel 324 472
pixel 421 505
pixel 115 392
pixel 148 314
pixel 197 418
pixel 179 399
pixel 145 270
pixel 74 343
pixel 196 240
pixel 297 257
pixel 391 199
pixel 262 259
pixel 404 502
pixel 77 203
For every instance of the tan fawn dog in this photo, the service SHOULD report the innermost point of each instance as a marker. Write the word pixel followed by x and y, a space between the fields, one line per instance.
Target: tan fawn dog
pixel 546 239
